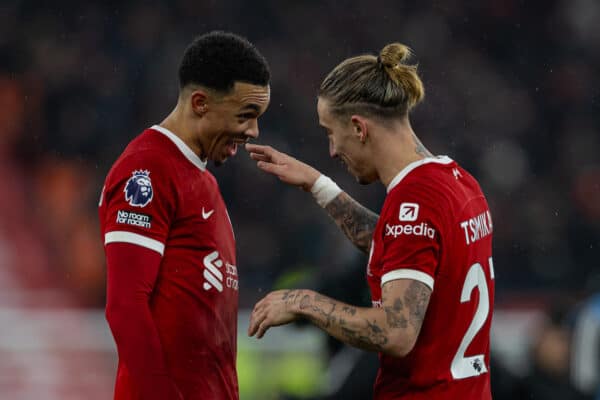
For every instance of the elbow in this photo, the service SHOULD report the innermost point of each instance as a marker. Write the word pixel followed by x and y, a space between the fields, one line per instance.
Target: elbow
pixel 112 313
pixel 116 314
pixel 399 345
pixel 120 308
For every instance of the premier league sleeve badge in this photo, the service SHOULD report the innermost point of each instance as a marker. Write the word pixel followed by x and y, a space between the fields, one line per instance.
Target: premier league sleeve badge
pixel 138 189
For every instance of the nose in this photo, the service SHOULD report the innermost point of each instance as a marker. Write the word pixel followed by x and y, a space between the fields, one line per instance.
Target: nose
pixel 252 130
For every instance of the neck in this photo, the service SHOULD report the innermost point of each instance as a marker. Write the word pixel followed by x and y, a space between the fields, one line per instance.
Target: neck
pixel 397 148
pixel 180 126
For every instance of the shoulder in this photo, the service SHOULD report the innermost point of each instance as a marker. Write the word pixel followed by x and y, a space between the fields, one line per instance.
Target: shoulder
pixel 426 192
pixel 143 167
pixel 147 152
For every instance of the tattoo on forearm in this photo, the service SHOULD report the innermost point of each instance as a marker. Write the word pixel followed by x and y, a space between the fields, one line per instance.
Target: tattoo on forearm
pixel 371 337
pixel 357 222
pixel 330 315
pixel 349 310
pixel 360 328
pixel 416 299
pixel 323 306
pixel 290 296
pixel 305 302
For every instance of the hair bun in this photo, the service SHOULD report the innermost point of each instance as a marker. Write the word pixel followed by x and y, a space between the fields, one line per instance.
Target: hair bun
pixel 393 54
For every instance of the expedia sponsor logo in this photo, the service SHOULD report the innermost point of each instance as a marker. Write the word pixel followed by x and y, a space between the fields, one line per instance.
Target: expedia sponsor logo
pixel 409 212
pixel 135 219
pixel 416 230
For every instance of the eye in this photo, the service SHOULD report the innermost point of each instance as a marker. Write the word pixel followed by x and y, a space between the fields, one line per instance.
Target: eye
pixel 245 117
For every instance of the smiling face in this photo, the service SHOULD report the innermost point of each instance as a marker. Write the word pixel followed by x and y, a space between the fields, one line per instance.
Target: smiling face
pixel 230 120
pixel 348 142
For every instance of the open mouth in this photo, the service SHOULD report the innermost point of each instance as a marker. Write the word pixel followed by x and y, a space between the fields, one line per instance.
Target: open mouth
pixel 231 147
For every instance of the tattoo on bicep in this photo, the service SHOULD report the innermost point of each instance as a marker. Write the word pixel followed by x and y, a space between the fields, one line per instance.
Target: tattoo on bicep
pixel 395 315
pixel 416 299
pixel 357 222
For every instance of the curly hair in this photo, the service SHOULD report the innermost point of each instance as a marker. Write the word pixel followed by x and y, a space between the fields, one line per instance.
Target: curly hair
pixel 218 59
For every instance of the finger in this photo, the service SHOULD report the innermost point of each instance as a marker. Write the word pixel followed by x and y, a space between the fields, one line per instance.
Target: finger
pixel 275 169
pixel 253 325
pixel 256 319
pixel 259 304
pixel 267 151
pixel 259 157
pixel 256 148
pixel 264 326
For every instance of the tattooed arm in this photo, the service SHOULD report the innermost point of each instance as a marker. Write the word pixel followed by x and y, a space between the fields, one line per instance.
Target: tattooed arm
pixel 392 329
pixel 356 221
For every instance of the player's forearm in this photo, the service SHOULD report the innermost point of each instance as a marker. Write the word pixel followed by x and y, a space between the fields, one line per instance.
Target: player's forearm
pixel 139 348
pixel 131 273
pixel 362 327
pixel 136 337
pixel 356 221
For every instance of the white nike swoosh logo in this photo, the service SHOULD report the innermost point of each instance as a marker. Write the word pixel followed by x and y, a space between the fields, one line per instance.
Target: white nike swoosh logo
pixel 206 215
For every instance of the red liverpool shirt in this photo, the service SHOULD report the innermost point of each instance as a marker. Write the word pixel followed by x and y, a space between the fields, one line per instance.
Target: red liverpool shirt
pixel 159 195
pixel 435 227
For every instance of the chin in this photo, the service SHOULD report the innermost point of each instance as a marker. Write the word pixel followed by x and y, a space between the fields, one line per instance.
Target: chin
pixel 220 162
pixel 365 180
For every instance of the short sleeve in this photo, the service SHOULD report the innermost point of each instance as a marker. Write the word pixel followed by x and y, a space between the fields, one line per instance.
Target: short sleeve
pixel 411 237
pixel 137 204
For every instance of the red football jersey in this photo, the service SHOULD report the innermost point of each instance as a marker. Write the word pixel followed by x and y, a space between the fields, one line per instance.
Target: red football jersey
pixel 435 227
pixel 159 195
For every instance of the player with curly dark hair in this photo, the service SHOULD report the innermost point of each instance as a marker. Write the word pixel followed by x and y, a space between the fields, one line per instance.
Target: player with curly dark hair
pixel 172 293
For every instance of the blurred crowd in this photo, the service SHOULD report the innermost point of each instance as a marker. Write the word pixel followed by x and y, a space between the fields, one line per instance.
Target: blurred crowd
pixel 511 94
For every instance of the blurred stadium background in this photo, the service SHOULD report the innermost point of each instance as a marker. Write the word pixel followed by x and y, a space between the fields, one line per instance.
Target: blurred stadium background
pixel 512 94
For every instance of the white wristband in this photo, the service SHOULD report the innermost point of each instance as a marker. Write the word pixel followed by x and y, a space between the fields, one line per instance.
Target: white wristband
pixel 324 190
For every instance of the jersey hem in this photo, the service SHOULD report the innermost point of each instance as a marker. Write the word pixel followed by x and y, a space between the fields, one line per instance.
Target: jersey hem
pixel 408 274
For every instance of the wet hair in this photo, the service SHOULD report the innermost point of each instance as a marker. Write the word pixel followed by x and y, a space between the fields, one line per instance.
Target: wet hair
pixel 216 60
pixel 383 86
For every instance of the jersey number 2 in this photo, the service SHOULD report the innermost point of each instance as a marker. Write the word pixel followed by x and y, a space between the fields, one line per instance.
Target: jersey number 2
pixel 466 367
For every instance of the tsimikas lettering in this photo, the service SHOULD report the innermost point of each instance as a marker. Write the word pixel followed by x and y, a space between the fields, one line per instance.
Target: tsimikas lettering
pixel 134 219
pixel 478 227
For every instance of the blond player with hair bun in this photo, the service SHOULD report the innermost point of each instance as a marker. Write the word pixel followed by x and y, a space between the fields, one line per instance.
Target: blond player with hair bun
pixel 430 267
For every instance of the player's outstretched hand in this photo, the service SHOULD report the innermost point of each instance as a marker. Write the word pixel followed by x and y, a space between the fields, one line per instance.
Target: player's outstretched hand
pixel 283 166
pixel 276 308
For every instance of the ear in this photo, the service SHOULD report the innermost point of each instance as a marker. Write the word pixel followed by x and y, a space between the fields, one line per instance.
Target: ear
pixel 199 100
pixel 360 127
